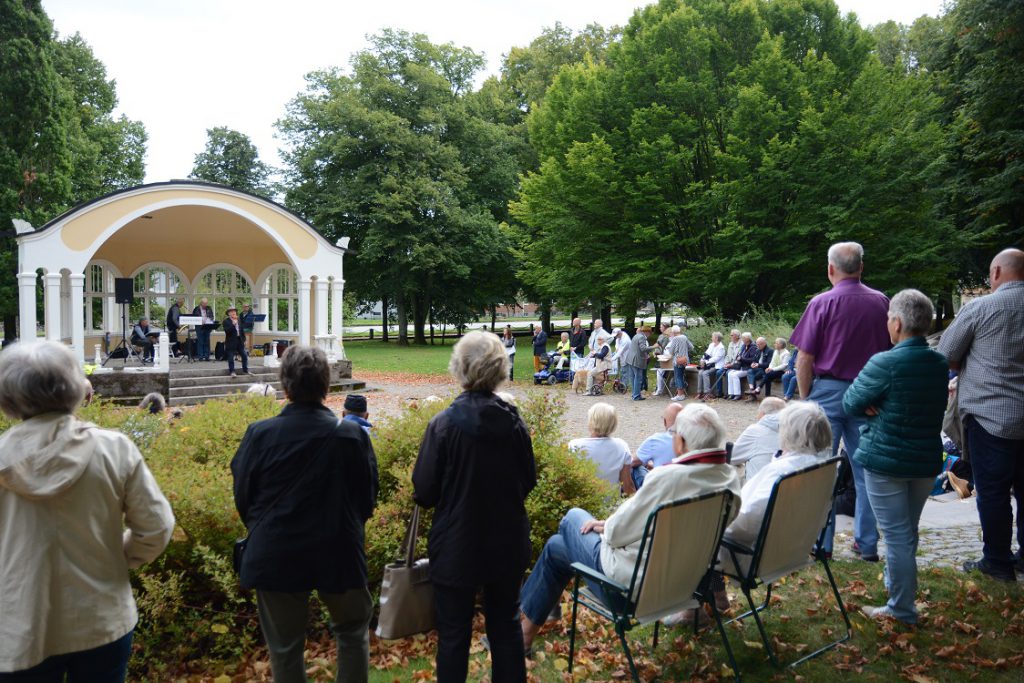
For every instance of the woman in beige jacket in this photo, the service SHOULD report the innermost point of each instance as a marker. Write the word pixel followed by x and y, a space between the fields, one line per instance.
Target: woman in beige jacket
pixel 78 509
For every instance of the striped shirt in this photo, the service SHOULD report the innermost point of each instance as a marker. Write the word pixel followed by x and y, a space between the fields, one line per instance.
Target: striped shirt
pixel 987 339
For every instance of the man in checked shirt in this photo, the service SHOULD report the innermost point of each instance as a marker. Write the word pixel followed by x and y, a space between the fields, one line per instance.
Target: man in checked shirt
pixel 986 344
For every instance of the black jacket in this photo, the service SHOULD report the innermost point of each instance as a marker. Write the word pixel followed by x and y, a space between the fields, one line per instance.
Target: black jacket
pixel 540 343
pixel 305 484
pixel 233 340
pixel 476 467
pixel 578 341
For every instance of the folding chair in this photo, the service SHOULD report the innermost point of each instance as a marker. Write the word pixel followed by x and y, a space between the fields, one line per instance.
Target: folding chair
pixel 677 552
pixel 790 538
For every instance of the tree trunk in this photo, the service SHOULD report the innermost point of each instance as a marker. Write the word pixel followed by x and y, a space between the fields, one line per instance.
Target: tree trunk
pixel 606 317
pixel 384 321
pixel 658 308
pixel 494 316
pixel 9 327
pixel 420 304
pixel 545 317
pixel 401 305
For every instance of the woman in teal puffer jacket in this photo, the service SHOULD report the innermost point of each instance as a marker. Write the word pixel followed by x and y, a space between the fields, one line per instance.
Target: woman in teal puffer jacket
pixel 903 393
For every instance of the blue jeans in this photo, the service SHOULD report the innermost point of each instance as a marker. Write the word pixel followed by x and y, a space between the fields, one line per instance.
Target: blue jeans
pixel 789 385
pixel 680 373
pixel 231 359
pixel 897 503
pixel 554 566
pixel 998 465
pixel 638 475
pixel 753 376
pixel 636 379
pixel 828 393
pixel 104 664
pixel 203 343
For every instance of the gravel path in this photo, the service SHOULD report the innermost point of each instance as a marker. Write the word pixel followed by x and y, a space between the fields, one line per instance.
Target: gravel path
pixel 949 529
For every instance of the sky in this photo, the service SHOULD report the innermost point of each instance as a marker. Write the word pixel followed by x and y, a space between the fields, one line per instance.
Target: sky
pixel 185 66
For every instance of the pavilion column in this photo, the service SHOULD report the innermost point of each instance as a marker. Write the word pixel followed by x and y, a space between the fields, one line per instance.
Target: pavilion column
pixel 321 305
pixel 27 305
pixel 78 315
pixel 304 291
pixel 51 305
pixel 337 306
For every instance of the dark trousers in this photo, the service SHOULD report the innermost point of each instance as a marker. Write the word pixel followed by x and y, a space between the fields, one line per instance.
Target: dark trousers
pixel 104 664
pixel 240 350
pixel 454 608
pixel 998 466
pixel 769 377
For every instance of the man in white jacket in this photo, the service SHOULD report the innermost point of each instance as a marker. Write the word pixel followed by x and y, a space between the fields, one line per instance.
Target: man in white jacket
pixel 611 546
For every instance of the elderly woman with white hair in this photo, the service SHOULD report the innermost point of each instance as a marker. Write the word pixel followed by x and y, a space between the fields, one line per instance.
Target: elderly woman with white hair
pixel 78 509
pixel 611 546
pixel 611 454
pixel 739 369
pixel 712 361
pixel 601 357
pixel 476 467
pixel 903 394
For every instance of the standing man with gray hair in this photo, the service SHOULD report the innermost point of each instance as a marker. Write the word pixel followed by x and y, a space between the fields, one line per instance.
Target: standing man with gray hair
pixel 839 331
pixel 984 344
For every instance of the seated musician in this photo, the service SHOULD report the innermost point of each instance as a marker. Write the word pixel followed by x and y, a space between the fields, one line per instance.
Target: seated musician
pixel 142 336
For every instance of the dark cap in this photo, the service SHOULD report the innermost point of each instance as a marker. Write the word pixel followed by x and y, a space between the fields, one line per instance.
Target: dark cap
pixel 354 403
pixel 231 309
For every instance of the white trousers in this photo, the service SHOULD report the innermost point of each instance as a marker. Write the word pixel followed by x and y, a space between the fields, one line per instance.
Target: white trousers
pixel 734 381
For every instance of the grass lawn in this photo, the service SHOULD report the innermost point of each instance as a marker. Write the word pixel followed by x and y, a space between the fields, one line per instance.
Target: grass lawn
pixel 376 356
pixel 971 629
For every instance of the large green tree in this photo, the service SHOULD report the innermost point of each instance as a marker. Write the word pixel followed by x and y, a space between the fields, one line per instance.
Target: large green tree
pixel 394 156
pixel 59 142
pixel 230 158
pixel 719 148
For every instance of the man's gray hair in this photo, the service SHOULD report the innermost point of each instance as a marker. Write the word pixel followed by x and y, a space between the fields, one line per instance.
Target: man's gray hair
pixel 716 336
pixel 305 374
pixel 914 310
pixel 675 329
pixel 700 427
pixel 746 335
pixel 847 257
pixel 39 377
pixel 804 428
pixel 771 404
pixel 479 362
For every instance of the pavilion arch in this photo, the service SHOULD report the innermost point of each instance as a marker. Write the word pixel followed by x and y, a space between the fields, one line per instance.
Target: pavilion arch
pixel 189 229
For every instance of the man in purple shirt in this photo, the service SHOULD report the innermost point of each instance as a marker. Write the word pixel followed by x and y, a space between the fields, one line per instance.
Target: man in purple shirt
pixel 840 330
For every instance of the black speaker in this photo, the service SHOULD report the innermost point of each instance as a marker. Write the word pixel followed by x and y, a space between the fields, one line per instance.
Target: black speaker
pixel 124 290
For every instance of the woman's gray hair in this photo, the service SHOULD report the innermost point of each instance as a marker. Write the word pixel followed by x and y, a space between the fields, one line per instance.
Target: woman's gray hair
pixel 601 419
pixel 747 335
pixel 153 402
pixel 716 336
pixel 700 427
pixel 804 428
pixel 39 377
pixel 306 374
pixel 914 310
pixel 479 362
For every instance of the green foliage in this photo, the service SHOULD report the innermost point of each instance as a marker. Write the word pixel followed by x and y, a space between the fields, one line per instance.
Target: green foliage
pixel 231 159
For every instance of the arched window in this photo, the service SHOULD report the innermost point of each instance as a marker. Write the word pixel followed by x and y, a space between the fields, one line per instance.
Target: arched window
pixel 156 286
pixel 101 312
pixel 279 299
pixel 225 286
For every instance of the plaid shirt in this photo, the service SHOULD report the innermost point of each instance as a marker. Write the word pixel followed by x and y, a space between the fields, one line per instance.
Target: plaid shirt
pixel 987 338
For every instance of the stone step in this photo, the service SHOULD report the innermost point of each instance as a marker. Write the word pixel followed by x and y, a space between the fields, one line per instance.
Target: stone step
pixel 223 391
pixel 221 378
pixel 232 387
pixel 202 398
pixel 217 369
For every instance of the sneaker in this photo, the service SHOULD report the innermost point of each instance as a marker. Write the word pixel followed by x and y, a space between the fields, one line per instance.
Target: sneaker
pixel 983 566
pixel 882 612
pixel 867 558
pixel 686 618
pixel 678 398
pixel 641 398
pixel 527 651
pixel 234 375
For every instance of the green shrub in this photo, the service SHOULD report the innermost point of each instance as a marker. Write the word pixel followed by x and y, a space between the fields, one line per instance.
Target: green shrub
pixel 761 322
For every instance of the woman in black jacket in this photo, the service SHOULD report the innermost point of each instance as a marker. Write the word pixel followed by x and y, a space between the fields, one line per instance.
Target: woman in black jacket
pixel 476 467
pixel 305 484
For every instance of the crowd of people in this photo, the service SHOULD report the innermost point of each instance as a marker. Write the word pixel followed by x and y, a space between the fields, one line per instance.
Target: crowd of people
pixel 79 507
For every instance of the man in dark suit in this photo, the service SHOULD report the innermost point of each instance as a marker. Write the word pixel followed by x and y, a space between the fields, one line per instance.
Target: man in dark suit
pixel 173 323
pixel 234 341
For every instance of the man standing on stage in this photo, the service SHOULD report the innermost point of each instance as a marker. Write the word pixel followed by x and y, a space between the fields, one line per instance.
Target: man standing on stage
pixel 234 342
pixel 984 344
pixel 203 330
pixel 248 323
pixel 173 323
pixel 840 330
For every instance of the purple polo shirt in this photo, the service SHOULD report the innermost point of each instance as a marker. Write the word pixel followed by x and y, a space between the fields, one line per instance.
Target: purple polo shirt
pixel 842 328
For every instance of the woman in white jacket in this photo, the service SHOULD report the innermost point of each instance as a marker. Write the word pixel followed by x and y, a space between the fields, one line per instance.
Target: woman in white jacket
pixel 78 509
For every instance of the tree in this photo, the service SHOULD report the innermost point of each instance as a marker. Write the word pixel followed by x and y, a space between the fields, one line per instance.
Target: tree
pixel 394 156
pixel 231 159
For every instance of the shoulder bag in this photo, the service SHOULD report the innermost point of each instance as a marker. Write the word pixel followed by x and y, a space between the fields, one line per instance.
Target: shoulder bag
pixel 406 595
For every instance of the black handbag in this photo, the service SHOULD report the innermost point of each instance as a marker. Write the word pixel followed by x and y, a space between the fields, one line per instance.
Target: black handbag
pixel 238 551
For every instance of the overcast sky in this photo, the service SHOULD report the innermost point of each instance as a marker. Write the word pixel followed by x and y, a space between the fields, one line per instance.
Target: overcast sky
pixel 182 67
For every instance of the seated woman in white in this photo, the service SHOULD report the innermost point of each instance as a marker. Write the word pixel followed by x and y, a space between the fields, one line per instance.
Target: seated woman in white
pixel 611 454
pixel 740 367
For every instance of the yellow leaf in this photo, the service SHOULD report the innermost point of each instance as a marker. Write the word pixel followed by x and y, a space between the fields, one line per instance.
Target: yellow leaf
pixel 219 628
pixel 561 664
pixel 753 644
pixel 223 678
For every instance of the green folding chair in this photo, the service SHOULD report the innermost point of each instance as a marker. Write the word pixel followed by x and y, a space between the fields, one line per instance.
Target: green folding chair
pixel 677 551
pixel 790 538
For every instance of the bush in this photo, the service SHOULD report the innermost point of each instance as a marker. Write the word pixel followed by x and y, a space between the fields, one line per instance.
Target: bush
pixel 762 322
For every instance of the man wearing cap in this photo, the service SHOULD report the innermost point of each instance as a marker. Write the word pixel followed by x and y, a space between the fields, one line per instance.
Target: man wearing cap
pixel 234 342
pixel 540 346
pixel 355 410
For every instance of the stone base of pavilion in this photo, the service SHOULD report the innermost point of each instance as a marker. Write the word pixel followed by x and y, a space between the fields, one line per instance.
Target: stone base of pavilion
pixel 185 383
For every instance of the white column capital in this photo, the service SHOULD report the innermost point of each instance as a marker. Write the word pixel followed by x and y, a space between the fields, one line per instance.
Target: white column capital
pixel 77 279
pixel 27 279
pixel 53 278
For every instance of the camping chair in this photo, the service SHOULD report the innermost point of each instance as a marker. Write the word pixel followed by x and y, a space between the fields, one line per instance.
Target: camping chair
pixel 677 551
pixel 790 538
